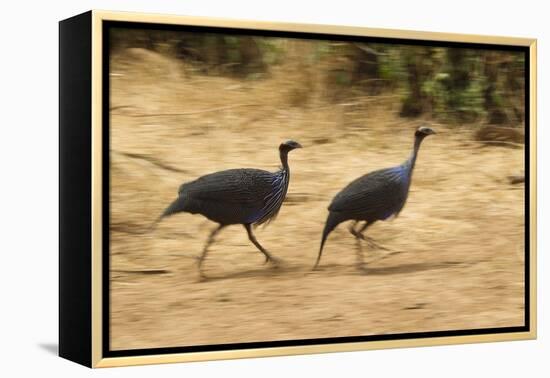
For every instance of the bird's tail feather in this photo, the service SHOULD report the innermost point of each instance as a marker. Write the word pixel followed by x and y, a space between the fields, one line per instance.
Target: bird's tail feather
pixel 175 207
pixel 333 220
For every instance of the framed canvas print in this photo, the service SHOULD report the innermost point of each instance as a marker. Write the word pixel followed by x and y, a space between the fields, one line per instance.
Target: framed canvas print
pixel 235 189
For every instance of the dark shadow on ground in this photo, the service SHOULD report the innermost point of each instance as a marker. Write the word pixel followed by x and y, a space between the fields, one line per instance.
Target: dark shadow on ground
pixel 266 271
pixel 367 268
pixel 406 268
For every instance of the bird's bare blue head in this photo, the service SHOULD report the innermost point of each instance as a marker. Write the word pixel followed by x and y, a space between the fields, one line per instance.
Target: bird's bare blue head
pixel 289 145
pixel 423 131
pixel 284 149
pixel 419 135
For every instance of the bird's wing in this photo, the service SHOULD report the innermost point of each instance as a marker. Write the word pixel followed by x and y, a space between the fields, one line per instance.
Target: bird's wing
pixel 247 187
pixel 274 200
pixel 380 193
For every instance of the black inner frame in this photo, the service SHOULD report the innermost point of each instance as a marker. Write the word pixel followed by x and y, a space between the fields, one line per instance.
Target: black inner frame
pixel 107 352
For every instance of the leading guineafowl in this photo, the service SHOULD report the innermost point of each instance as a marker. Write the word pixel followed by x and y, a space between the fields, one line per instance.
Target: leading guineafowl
pixel 375 196
pixel 244 196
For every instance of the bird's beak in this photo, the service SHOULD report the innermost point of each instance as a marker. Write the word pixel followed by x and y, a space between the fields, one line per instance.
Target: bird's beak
pixel 298 145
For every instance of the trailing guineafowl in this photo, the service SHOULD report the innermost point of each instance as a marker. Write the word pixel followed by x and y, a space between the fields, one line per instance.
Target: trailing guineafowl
pixel 244 196
pixel 375 196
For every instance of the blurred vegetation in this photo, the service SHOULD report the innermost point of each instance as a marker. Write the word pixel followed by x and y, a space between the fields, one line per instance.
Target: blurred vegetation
pixel 450 85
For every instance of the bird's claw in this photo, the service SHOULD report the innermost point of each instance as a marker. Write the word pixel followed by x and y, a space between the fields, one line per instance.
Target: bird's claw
pixel 274 261
pixel 375 245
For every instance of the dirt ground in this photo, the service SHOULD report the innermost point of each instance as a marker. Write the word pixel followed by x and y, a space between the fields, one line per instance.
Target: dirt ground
pixel 457 248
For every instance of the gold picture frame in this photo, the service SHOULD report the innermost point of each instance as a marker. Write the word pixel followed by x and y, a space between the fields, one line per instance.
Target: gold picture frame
pixel 82 320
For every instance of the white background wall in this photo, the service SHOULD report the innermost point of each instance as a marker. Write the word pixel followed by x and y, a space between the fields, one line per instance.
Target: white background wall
pixel 28 200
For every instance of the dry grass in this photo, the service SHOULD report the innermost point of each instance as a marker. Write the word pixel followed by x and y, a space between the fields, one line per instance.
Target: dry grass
pixel 460 236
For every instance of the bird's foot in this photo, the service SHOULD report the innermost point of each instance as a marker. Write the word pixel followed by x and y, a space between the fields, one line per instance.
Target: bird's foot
pixel 202 277
pixel 374 244
pixel 363 269
pixel 391 253
pixel 383 256
pixel 275 261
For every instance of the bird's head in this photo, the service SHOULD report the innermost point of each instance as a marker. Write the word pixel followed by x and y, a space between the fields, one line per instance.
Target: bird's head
pixel 289 145
pixel 423 131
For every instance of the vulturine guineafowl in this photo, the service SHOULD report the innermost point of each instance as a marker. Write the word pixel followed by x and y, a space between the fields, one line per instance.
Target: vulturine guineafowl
pixel 375 196
pixel 244 196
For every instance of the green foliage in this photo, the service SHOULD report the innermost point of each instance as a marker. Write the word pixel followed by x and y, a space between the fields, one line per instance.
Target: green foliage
pixel 452 85
pixel 458 85
pixel 392 67
pixel 272 50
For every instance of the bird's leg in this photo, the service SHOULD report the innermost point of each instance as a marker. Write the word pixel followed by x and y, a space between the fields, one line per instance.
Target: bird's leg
pixel 377 247
pixel 252 238
pixel 370 241
pixel 358 236
pixel 353 231
pixel 209 241
pixel 360 259
pixel 359 233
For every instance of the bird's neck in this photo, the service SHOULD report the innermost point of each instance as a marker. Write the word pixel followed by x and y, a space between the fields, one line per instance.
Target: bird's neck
pixel 284 160
pixel 412 159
